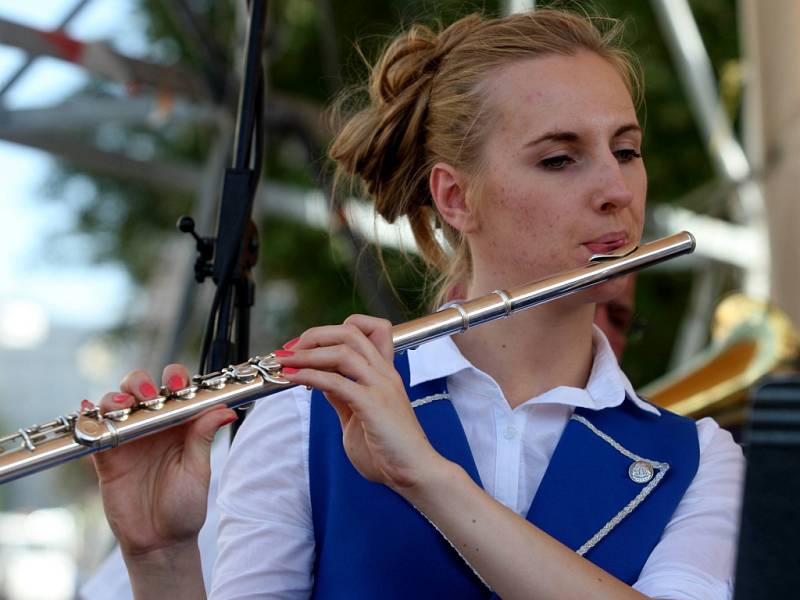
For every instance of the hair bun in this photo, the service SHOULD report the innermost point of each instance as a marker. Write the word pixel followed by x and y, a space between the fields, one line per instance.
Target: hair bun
pixel 414 55
pixel 407 59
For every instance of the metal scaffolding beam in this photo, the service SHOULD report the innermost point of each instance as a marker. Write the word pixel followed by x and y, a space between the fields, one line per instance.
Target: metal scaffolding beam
pixel 771 39
pixel 100 59
pixel 74 12
pixel 744 245
pixel 729 159
pixel 81 114
pixel 184 176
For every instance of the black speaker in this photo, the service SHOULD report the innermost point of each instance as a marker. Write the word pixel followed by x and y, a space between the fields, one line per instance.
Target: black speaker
pixel 768 563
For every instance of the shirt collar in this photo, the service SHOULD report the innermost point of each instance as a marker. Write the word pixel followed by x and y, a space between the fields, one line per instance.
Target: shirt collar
pixel 607 385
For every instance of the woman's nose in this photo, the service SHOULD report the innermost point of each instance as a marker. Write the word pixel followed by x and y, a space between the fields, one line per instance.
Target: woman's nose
pixel 612 190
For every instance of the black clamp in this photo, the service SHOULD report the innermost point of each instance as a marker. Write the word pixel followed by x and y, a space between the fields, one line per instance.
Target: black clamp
pixel 205 249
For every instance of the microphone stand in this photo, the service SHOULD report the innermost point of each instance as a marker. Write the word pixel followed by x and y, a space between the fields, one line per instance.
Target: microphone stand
pixel 230 257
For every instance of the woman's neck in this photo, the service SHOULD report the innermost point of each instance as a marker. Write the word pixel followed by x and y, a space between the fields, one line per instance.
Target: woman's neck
pixel 534 351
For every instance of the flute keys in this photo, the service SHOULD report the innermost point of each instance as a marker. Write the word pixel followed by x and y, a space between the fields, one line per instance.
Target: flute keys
pixel 186 393
pixel 212 381
pixel 269 368
pixel 244 373
pixel 156 403
pixel 118 415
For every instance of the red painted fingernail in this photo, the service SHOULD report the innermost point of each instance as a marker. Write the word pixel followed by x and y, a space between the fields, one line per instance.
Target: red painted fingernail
pixel 291 343
pixel 283 353
pixel 148 390
pixel 120 398
pixel 175 383
pixel 86 405
pixel 229 420
pixel 290 370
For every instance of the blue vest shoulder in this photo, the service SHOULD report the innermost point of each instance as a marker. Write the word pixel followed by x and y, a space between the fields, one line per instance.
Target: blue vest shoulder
pixel 371 543
pixel 613 483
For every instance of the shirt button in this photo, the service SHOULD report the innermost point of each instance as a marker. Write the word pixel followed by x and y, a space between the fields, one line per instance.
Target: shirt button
pixel 510 432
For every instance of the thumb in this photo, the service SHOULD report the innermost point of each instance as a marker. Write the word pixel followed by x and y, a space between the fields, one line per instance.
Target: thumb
pixel 201 434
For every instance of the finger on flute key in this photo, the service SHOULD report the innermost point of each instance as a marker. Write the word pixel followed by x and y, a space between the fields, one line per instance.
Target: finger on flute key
pixel 337 359
pixel 139 384
pixel 332 335
pixel 175 377
pixel 116 401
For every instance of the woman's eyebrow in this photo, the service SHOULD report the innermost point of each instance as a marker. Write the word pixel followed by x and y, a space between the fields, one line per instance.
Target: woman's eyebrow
pixel 571 136
pixel 626 128
pixel 554 136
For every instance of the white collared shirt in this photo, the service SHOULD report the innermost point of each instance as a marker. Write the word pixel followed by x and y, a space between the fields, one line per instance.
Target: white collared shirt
pixel 513 455
pixel 266 538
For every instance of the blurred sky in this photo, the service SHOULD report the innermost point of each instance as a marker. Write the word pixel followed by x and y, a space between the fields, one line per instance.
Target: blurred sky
pixel 35 286
pixel 52 306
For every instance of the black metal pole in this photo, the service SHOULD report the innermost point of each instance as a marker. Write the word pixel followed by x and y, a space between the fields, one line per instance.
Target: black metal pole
pixel 235 247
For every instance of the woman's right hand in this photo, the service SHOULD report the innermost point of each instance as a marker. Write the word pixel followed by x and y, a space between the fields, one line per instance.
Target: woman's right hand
pixel 155 489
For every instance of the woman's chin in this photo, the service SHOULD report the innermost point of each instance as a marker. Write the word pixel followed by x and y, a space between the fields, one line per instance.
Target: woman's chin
pixel 597 294
pixel 604 292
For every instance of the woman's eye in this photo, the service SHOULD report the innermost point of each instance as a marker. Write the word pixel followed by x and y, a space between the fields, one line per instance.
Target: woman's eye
pixel 555 163
pixel 626 154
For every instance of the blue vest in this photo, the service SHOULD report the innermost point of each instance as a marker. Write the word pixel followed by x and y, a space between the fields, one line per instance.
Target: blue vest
pixel 371 543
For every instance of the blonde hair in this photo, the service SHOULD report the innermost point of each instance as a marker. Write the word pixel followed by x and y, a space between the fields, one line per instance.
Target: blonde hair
pixel 426 106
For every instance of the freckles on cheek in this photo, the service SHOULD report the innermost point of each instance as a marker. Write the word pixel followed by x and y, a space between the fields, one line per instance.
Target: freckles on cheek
pixel 552 257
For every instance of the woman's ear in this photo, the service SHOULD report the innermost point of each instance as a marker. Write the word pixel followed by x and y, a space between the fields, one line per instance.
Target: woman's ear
pixel 448 190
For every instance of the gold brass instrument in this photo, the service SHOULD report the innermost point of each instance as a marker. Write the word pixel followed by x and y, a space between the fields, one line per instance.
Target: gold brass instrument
pixel 39 447
pixel 749 339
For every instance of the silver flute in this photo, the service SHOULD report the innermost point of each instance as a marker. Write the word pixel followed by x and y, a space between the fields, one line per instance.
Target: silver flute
pixel 39 447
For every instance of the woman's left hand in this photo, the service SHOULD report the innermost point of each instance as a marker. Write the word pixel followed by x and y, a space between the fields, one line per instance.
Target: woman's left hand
pixel 352 365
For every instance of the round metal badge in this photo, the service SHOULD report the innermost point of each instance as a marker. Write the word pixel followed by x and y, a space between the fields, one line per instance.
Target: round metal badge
pixel 641 471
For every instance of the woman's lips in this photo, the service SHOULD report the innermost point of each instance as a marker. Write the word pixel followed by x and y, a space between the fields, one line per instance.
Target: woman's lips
pixel 606 243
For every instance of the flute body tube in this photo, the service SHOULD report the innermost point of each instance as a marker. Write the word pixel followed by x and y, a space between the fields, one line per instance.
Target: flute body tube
pixel 39 447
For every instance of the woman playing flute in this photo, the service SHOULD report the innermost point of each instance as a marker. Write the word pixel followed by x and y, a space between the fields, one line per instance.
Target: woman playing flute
pixel 513 459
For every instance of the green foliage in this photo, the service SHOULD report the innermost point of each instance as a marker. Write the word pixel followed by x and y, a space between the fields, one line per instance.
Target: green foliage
pixel 320 278
pixel 661 300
